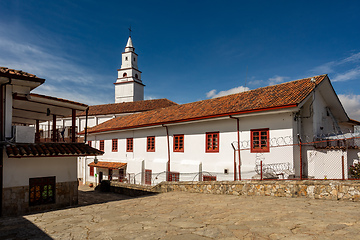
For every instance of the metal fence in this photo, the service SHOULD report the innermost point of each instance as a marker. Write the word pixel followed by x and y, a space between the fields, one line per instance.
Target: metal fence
pixel 328 156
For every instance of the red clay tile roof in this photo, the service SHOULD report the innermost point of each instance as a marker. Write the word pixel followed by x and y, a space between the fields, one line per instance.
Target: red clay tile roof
pixel 128 107
pixel 58 99
pixel 50 150
pixel 18 74
pixel 283 95
pixel 110 165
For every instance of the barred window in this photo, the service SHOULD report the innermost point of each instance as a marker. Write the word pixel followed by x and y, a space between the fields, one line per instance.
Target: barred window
pixel 42 190
pixel 173 176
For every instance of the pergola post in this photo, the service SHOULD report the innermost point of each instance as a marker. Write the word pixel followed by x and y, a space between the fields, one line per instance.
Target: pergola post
pixel 73 125
pixel 37 131
pixel 54 129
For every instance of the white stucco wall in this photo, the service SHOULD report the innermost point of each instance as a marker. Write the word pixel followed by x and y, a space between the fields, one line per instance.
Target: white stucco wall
pixel 280 125
pixel 17 171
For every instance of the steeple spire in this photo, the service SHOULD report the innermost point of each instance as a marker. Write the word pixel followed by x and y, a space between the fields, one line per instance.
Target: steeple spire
pixel 129 46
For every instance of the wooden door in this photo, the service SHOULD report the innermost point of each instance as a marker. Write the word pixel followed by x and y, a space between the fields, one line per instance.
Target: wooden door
pixel 110 175
pixel 100 177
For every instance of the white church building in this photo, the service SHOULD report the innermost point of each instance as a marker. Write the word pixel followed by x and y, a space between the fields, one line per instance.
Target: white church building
pixel 225 138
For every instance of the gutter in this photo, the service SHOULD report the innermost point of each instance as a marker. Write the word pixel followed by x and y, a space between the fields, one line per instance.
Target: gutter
pixel 168 147
pixel 238 138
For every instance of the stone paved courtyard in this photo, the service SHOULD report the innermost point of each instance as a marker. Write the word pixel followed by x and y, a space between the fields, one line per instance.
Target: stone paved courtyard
pixel 179 215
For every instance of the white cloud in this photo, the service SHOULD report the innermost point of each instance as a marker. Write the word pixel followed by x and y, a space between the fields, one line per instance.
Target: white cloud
pixel 255 82
pixel 351 74
pixel 353 58
pixel 213 93
pixel 349 63
pixel 81 95
pixel 43 56
pixel 351 103
pixel 325 68
pixel 148 97
pixel 277 79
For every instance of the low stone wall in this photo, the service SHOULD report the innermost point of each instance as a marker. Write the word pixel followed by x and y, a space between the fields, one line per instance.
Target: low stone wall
pixel 314 189
pixel 16 199
pixel 132 190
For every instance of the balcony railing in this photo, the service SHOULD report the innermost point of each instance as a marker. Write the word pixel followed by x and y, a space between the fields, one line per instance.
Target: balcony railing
pixel 62 134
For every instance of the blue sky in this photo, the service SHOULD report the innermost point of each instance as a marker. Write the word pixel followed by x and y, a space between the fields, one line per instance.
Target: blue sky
pixel 188 50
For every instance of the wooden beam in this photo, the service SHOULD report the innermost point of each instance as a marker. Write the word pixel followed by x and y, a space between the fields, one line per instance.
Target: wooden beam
pixel 54 129
pixel 37 133
pixel 73 125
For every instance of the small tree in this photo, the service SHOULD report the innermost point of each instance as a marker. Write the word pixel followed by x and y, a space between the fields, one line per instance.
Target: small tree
pixel 354 171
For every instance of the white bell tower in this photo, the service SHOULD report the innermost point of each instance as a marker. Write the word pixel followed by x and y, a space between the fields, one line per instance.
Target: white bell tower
pixel 128 86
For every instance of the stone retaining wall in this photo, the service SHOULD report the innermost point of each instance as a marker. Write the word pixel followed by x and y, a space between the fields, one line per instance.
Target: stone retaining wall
pixel 132 190
pixel 16 199
pixel 314 189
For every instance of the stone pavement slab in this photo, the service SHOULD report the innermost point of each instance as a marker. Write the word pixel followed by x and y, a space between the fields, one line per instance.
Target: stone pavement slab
pixel 180 215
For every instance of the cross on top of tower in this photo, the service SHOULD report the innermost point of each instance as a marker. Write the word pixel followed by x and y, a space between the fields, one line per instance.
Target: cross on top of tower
pixel 130 31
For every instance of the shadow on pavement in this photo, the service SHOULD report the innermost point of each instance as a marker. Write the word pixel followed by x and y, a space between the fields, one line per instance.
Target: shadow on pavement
pixel 20 228
pixel 88 197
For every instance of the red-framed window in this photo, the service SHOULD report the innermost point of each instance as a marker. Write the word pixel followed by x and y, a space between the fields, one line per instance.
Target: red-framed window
pixel 212 142
pixel 260 140
pixel 92 171
pixel 150 144
pixel 173 176
pixel 114 145
pixel 179 143
pixel 89 143
pixel 209 178
pixel 129 144
pixel 102 145
pixel 148 175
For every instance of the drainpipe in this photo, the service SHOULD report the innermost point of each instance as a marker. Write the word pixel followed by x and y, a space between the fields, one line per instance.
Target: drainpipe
pixel 238 137
pixel 168 147
pixel 86 120
pixel 2 139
